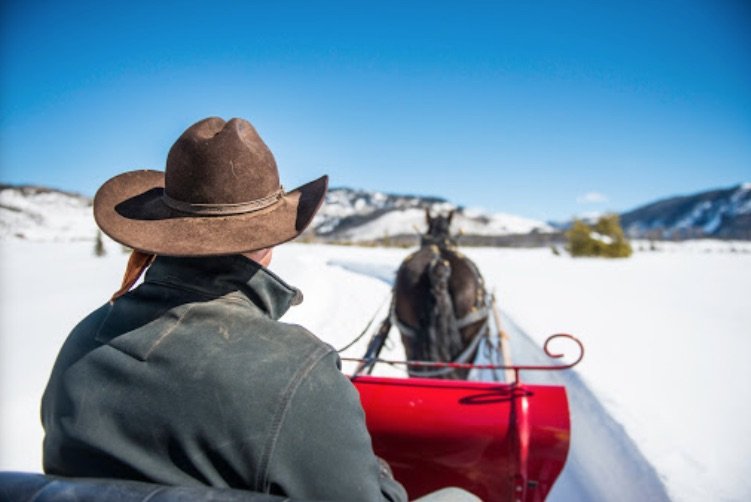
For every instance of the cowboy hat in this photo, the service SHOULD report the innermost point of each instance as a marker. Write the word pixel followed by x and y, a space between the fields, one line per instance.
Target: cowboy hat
pixel 219 194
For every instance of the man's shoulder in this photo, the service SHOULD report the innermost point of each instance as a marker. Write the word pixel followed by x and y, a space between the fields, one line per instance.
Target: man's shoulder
pixel 268 348
pixel 263 333
pixel 265 372
pixel 301 336
pixel 82 335
pixel 297 345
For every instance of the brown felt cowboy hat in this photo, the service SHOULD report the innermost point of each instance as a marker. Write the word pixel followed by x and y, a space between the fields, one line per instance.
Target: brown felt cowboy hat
pixel 220 194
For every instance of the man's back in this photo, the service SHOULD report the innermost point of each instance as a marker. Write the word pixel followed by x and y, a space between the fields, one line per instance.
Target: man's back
pixel 190 379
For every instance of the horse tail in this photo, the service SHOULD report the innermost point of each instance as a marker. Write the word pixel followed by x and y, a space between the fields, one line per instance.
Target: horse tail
pixel 444 338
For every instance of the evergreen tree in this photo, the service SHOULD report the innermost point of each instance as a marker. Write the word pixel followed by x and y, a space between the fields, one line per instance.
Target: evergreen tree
pixel 610 226
pixel 605 238
pixel 580 241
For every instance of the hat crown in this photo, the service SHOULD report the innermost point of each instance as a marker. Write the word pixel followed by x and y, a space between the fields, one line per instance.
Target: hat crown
pixel 216 162
pixel 220 195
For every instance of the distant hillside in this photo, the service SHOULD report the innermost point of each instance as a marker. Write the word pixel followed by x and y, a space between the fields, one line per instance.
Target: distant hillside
pixel 357 216
pixel 44 214
pixel 360 216
pixel 723 213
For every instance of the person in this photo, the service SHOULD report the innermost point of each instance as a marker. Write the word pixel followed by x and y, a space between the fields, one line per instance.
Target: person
pixel 190 378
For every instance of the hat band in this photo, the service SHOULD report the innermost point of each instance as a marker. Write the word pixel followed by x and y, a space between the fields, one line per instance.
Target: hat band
pixel 223 209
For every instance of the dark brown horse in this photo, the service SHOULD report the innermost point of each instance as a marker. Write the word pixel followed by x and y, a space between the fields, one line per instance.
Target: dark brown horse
pixel 440 303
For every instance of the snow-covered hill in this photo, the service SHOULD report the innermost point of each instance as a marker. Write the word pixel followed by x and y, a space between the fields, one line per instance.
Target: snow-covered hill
pixel 358 215
pixel 43 214
pixel 724 213
pixel 348 215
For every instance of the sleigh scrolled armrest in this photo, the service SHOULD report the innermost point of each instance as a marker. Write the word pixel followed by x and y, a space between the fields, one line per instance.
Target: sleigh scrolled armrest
pixel 516 368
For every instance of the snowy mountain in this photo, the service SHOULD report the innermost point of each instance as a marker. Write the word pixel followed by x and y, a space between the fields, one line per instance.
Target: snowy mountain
pixel 348 215
pixel 43 214
pixel 358 215
pixel 724 213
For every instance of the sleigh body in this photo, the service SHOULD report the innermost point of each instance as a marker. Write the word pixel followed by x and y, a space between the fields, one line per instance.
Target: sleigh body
pixel 497 441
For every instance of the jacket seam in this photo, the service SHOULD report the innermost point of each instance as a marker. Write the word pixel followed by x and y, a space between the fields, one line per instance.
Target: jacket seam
pixel 282 409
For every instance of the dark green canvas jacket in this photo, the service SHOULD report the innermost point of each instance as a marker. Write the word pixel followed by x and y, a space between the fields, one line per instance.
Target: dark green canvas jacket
pixel 191 380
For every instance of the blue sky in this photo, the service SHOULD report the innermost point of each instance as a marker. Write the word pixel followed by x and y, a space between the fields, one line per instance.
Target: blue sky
pixel 544 109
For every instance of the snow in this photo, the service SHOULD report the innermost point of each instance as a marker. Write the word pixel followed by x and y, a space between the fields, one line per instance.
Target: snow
pixel 397 222
pixel 664 378
pixel 412 221
pixel 382 215
pixel 498 224
pixel 43 215
pixel 605 239
pixel 711 213
pixel 740 202
pixel 667 339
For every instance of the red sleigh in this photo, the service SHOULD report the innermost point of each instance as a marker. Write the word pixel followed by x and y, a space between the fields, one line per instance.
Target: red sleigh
pixel 500 441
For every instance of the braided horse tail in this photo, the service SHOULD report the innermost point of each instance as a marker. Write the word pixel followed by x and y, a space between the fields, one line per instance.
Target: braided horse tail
pixel 444 341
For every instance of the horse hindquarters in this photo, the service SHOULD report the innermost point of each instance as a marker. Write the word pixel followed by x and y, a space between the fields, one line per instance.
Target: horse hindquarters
pixel 424 312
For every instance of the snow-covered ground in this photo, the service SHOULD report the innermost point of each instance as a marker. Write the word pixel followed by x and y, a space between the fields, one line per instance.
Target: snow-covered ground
pixel 667 334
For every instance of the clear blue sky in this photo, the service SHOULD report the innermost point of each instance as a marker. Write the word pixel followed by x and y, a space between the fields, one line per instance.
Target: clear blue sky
pixel 544 109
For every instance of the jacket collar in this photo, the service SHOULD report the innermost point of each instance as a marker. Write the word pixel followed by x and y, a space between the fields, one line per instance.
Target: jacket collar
pixel 220 275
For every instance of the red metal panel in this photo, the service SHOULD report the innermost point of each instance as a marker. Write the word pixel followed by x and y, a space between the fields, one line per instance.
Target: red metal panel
pixel 498 441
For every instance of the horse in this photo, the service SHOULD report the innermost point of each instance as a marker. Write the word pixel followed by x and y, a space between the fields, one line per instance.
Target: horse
pixel 440 304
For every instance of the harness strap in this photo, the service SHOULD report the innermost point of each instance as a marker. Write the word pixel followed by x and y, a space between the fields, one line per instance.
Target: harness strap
pixel 471 318
pixel 461 359
pixel 404 329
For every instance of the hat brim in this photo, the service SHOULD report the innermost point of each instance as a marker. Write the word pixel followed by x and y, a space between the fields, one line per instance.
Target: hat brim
pixel 129 208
